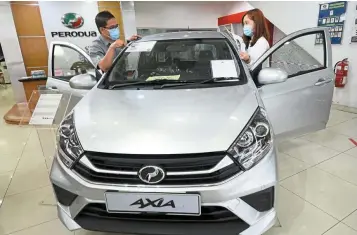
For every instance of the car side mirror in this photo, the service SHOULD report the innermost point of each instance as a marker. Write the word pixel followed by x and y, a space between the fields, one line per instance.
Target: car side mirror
pixel 272 75
pixel 83 81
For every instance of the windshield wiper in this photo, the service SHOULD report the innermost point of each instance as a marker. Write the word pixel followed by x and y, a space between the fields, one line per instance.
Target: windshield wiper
pixel 149 83
pixel 217 79
pixel 169 83
pixel 178 84
pixel 200 82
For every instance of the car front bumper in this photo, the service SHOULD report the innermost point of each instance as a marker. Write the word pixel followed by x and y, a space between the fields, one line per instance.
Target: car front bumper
pixel 239 195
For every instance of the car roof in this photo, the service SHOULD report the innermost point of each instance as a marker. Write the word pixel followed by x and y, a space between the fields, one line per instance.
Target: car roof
pixel 183 35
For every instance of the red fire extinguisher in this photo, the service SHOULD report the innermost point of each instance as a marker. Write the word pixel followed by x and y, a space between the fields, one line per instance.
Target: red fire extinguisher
pixel 341 71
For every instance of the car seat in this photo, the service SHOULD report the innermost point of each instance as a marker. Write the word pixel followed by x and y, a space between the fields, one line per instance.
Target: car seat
pixel 203 64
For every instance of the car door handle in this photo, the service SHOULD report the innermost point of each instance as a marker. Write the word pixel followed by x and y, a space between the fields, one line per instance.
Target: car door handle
pixel 53 88
pixel 322 81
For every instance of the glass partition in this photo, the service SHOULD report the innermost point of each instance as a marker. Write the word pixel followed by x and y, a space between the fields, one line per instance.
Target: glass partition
pixel 44 112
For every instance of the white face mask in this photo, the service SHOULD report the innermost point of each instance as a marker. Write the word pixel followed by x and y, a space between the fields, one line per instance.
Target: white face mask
pixel 248 30
pixel 114 34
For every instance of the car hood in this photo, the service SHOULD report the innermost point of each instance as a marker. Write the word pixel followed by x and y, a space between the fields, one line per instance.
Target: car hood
pixel 163 121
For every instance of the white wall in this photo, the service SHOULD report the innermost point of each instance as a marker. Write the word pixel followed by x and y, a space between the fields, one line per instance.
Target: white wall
pixel 291 19
pixel 237 6
pixel 52 12
pixel 277 35
pixel 179 14
pixel 129 18
pixel 12 52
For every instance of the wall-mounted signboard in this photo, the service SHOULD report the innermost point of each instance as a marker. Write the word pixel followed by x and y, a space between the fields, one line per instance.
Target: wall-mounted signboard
pixel 332 15
pixel 71 21
pixel 354 32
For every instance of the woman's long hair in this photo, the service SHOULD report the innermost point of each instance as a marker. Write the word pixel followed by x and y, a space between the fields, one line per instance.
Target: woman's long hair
pixel 261 27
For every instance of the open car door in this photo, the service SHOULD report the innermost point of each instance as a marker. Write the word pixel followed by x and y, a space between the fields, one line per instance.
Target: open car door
pixel 302 103
pixel 67 60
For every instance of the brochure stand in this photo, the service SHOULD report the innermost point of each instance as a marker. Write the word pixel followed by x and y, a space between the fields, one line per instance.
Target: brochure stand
pixel 44 113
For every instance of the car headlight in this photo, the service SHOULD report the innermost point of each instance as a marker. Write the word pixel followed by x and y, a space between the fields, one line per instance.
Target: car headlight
pixel 69 147
pixel 254 142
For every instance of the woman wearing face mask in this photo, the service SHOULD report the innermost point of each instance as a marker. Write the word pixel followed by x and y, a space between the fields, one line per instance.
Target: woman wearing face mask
pixel 255 36
pixel 108 45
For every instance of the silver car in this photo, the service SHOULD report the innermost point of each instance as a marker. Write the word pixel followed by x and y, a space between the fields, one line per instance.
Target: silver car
pixel 179 136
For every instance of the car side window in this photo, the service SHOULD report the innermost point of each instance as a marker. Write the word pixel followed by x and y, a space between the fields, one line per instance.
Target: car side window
pixel 67 62
pixel 300 55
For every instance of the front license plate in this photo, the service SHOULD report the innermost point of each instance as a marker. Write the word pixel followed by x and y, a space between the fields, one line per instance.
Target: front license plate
pixel 183 204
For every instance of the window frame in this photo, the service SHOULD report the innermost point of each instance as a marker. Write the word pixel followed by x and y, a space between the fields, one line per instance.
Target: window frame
pixel 63 78
pixel 324 45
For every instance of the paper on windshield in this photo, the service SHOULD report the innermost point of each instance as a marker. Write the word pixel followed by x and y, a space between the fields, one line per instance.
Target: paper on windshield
pixel 172 77
pixel 141 46
pixel 223 68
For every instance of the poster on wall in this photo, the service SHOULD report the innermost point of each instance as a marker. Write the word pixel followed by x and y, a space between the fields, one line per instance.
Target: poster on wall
pixel 333 16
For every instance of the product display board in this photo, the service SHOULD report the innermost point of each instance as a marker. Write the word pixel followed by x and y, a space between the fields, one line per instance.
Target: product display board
pixel 332 15
pixel 45 109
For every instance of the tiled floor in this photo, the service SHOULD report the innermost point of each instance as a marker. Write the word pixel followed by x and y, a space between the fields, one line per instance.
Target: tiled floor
pixel 317 193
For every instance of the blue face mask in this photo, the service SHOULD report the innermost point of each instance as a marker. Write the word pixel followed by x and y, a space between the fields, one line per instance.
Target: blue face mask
pixel 114 34
pixel 247 30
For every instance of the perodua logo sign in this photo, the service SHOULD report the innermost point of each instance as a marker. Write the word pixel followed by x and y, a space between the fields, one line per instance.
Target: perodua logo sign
pixel 151 174
pixel 72 20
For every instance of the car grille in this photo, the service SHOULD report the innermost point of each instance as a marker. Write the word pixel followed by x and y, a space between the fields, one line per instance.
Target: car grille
pixel 212 221
pixel 209 214
pixel 133 162
pixel 170 163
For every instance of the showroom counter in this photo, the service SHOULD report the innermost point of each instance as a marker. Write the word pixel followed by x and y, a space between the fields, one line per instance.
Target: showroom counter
pixel 20 113
pixel 32 84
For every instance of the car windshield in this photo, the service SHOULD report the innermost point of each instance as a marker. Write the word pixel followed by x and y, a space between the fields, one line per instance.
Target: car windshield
pixel 175 61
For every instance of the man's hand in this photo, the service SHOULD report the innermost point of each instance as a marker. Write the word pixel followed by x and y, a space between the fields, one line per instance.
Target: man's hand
pixel 244 56
pixel 118 44
pixel 134 37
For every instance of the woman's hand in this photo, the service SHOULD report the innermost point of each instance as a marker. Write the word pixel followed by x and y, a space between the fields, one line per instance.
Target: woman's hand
pixel 244 56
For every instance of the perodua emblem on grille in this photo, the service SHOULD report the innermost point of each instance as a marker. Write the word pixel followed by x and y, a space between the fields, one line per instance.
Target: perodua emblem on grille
pixel 151 174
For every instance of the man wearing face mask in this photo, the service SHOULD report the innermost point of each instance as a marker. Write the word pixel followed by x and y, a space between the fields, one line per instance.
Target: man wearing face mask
pixel 108 45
